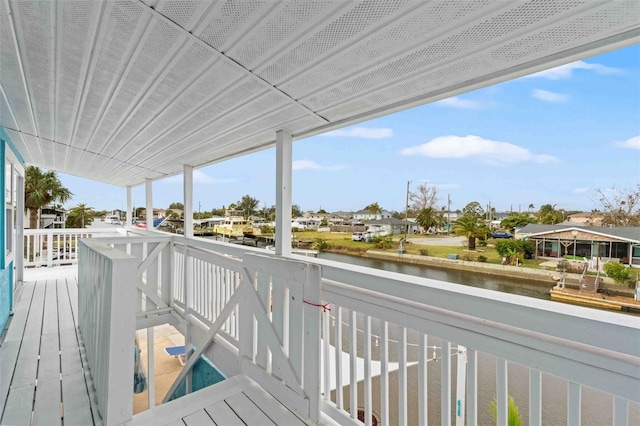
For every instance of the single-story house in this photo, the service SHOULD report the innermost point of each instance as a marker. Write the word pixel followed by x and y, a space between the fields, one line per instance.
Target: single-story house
pixel 555 241
pixel 367 215
pixel 388 226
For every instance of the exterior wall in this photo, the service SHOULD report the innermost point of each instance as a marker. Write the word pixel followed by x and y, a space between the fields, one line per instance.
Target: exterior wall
pixel 8 218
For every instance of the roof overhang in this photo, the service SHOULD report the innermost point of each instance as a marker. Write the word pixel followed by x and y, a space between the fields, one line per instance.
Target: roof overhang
pixel 556 234
pixel 126 90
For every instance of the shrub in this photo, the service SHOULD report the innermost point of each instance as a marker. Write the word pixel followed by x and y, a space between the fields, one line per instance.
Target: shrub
pixel 562 265
pixel 266 229
pixel 321 244
pixel 515 419
pixel 482 258
pixel 467 257
pixel 514 250
pixel 383 242
pixel 424 252
pixel 482 243
pixel 620 273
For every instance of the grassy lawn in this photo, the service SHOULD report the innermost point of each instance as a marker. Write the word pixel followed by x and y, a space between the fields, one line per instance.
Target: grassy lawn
pixel 341 242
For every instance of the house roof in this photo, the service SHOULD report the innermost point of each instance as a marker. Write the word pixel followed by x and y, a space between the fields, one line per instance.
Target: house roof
pixel 628 233
pixel 126 90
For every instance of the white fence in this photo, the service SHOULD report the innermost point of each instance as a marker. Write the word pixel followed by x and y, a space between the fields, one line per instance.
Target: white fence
pixel 51 247
pixel 106 320
pixel 409 350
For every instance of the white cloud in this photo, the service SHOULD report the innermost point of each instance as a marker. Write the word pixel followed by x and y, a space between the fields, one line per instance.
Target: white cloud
pixel 201 177
pixel 456 102
pixel 312 165
pixel 362 132
pixel 488 151
pixel 566 71
pixel 547 96
pixel 632 143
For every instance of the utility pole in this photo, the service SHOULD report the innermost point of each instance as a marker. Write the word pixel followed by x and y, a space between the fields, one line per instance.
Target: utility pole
pixel 448 213
pixel 406 213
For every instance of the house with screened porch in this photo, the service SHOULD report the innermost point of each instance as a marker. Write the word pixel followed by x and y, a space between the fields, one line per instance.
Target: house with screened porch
pixel 128 92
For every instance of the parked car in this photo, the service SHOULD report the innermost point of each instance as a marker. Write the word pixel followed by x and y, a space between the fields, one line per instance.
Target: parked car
pixel 357 236
pixel 501 234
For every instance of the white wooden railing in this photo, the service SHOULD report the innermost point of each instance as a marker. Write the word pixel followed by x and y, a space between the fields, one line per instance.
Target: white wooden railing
pixel 51 247
pixel 409 329
pixel 106 320
pixel 391 341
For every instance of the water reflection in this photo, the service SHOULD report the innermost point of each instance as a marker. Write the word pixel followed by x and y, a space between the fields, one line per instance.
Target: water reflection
pixel 537 289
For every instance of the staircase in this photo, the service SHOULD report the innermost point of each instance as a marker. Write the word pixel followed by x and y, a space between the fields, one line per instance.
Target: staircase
pixel 590 284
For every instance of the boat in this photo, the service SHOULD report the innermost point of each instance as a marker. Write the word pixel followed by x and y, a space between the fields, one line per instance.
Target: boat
pixel 236 225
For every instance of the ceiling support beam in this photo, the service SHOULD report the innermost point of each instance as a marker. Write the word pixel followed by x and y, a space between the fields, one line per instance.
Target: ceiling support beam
pixel 283 192
pixel 187 188
pixel 148 189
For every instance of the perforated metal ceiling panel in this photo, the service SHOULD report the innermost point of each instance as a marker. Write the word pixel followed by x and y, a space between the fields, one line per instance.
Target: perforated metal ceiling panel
pixel 124 90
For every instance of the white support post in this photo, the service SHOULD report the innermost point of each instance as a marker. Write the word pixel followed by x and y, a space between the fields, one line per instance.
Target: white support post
pixel 129 217
pixel 148 186
pixel 188 200
pixel 283 192
pixel 19 258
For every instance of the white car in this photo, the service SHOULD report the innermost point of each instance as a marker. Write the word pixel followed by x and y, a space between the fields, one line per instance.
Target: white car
pixel 357 236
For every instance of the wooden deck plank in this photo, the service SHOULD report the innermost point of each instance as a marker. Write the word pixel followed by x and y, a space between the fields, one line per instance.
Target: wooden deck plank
pixel 50 313
pixel 176 409
pixel 277 412
pixel 247 410
pixel 49 366
pixel 198 418
pixel 69 353
pixel 8 356
pixel 65 315
pixel 223 415
pixel 46 408
pixel 34 321
pixel 21 313
pixel 76 408
pixel 26 366
pixel 19 406
pixel 72 289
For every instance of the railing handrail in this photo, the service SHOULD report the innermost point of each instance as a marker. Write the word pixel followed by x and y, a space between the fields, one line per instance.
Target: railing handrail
pixel 487 305
pixel 68 231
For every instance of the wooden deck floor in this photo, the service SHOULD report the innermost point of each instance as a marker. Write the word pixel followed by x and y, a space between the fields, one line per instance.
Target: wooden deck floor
pixel 42 374
pixel 235 401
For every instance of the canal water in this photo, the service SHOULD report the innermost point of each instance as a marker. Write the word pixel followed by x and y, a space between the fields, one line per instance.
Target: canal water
pixel 537 289
pixel 596 405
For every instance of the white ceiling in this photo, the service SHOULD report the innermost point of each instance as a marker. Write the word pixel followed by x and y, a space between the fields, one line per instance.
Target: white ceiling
pixel 119 91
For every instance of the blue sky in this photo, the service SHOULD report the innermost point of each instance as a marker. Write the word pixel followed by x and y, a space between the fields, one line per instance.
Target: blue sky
pixel 550 138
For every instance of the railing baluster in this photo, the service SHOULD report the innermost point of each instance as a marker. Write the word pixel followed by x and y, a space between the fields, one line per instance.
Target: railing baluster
pixel 338 354
pixel 353 356
pixel 326 343
pixel 502 392
pixel 367 370
pixel 535 397
pixel 573 404
pixel 384 372
pixel 445 383
pixel 423 396
pixel 620 411
pixel 402 375
pixel 472 387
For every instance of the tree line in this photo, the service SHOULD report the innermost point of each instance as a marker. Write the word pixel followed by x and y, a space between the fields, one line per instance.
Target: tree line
pixel 620 207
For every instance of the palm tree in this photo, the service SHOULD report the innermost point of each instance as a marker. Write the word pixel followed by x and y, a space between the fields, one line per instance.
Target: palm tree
pixel 42 188
pixel 80 216
pixel 374 208
pixel 428 218
pixel 470 227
